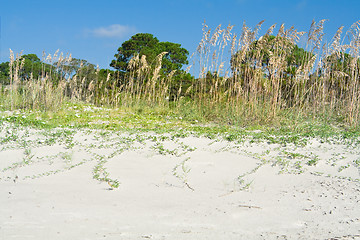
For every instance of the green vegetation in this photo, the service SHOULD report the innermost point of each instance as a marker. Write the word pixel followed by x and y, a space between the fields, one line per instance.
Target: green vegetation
pixel 181 172
pixel 271 85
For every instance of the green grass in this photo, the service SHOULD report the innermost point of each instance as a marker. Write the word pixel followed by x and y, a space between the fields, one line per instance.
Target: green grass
pixel 163 120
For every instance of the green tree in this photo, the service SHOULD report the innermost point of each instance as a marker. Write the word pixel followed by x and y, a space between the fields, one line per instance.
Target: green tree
pixel 340 64
pixel 339 69
pixel 271 65
pixel 141 43
pixel 33 68
pixel 4 73
pixel 148 45
pixel 260 51
pixel 80 67
pixel 175 58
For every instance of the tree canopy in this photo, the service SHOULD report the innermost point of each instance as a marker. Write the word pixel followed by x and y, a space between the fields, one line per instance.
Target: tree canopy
pixel 148 45
pixel 33 67
pixel 260 52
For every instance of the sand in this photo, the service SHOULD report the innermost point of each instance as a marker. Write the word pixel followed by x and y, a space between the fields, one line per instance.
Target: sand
pixel 174 187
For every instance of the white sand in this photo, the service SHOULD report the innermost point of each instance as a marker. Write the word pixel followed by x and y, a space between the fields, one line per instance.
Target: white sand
pixel 181 188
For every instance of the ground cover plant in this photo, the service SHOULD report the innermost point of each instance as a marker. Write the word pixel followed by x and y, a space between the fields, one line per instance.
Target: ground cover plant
pixel 55 150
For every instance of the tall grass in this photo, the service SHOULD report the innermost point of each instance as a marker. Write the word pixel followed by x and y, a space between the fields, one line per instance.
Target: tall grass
pixel 262 83
pixel 242 79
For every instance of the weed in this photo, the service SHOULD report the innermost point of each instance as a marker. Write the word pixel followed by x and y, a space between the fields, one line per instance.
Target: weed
pixel 100 173
pixel 66 157
pixel 313 161
pixel 357 162
pixel 344 167
pixel 182 174
pixel 27 156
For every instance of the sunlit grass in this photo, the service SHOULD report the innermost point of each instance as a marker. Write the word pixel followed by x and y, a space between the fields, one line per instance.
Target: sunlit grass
pixel 314 98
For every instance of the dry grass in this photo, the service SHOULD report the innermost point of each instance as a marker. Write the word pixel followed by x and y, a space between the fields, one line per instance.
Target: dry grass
pixel 324 82
pixel 242 77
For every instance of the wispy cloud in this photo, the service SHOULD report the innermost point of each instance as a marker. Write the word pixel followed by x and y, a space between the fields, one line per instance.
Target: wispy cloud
pixel 301 5
pixel 112 31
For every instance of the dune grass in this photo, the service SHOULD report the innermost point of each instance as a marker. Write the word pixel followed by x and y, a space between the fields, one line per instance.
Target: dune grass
pixel 244 82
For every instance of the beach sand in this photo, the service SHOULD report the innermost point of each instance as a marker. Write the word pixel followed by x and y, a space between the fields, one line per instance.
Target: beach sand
pixel 174 187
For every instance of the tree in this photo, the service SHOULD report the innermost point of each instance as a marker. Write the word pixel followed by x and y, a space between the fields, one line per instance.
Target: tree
pixel 80 67
pixel 260 52
pixel 273 64
pixel 141 43
pixel 4 73
pixel 148 45
pixel 339 69
pixel 33 68
pixel 339 64
pixel 36 69
pixel 145 44
pixel 295 59
pixel 175 58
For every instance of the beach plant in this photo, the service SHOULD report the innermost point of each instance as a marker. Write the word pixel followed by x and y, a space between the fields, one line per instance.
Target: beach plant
pixel 243 184
pixel 299 167
pixel 67 157
pixel 283 163
pixel 159 147
pixel 28 155
pixel 341 168
pixel 290 90
pixel 181 172
pixel 100 173
pixel 314 159
pixel 357 162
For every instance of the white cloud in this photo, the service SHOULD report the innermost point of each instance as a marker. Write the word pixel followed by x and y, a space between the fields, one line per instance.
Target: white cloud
pixel 112 31
pixel 301 5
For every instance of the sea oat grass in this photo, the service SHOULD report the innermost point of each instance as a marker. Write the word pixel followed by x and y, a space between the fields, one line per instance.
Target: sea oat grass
pixel 243 80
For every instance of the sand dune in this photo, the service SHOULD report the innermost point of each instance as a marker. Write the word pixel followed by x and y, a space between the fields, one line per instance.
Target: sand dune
pixel 174 187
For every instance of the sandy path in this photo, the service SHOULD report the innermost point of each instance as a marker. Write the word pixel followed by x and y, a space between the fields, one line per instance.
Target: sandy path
pixel 174 188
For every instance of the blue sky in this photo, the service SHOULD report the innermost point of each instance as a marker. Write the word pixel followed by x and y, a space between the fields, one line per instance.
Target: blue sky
pixel 93 30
